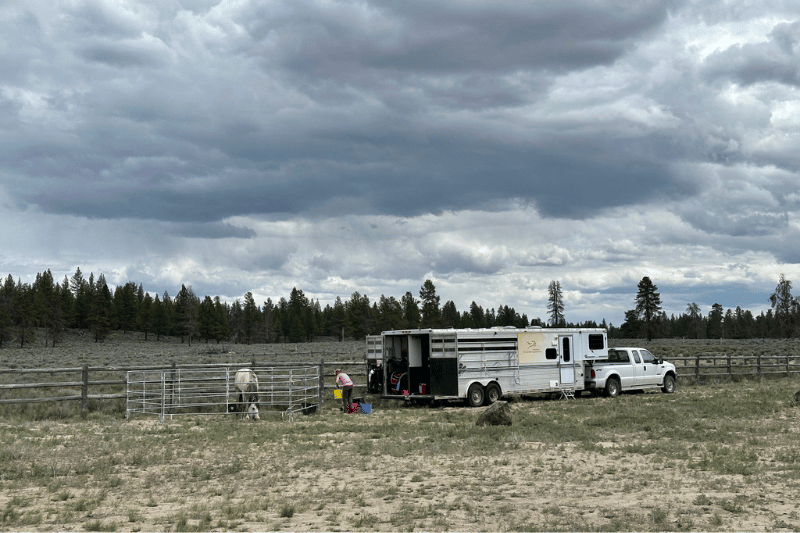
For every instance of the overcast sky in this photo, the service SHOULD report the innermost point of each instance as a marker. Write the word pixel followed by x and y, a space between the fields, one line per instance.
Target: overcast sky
pixel 341 146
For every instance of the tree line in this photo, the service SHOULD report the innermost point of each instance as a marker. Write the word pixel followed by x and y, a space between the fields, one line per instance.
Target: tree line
pixel 83 303
pixel 648 320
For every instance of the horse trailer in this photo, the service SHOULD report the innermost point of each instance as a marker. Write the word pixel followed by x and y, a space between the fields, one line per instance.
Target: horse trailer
pixel 480 366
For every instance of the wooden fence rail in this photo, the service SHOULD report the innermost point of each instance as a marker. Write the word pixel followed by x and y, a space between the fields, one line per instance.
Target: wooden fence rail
pixel 698 369
pixel 118 386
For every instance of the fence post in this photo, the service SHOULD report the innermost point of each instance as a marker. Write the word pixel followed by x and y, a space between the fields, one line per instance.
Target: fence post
pixel 321 387
pixel 730 374
pixel 85 391
pixel 787 367
pixel 758 365
pixel 697 368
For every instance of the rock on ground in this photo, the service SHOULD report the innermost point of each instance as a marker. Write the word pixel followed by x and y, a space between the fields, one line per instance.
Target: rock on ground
pixel 497 414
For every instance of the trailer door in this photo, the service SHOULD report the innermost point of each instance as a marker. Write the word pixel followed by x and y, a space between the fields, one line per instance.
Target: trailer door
pixel 566 361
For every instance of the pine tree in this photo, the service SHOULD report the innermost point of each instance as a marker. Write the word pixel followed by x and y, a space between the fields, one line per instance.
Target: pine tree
pixel 783 305
pixel 555 307
pixel 411 314
pixel 431 314
pixel 144 319
pixel 648 305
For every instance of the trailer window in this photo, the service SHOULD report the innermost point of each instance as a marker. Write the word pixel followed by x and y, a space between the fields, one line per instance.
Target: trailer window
pixel 596 342
pixel 551 353
pixel 566 350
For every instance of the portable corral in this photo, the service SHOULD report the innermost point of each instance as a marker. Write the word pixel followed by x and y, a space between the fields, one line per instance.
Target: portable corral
pixel 481 365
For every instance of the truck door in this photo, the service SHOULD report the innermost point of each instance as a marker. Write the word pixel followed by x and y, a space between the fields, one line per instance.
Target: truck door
pixel 651 370
pixel 566 361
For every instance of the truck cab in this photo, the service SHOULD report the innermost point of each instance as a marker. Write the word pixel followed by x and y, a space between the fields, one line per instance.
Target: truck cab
pixel 630 369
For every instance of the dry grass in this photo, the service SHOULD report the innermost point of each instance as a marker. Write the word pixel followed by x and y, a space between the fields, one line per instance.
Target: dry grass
pixel 715 458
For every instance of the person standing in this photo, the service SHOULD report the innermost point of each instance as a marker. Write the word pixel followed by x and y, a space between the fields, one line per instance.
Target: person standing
pixel 344 381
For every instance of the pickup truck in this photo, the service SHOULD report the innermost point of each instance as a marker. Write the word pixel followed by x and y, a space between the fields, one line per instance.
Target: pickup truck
pixel 628 369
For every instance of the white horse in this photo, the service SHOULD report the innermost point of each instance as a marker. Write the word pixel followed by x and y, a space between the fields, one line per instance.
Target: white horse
pixel 246 385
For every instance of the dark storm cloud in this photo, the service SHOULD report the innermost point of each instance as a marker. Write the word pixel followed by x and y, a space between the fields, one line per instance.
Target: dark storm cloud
pixel 441 37
pixel 376 73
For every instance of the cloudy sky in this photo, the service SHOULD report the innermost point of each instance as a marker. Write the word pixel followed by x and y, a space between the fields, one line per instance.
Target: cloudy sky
pixel 341 146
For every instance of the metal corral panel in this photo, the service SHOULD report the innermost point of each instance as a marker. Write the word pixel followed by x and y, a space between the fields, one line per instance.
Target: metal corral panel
pixel 374 347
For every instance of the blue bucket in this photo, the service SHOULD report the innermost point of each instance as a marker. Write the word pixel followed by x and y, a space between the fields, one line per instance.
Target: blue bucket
pixel 366 408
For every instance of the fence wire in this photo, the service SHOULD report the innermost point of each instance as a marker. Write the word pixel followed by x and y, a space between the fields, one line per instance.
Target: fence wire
pixel 211 390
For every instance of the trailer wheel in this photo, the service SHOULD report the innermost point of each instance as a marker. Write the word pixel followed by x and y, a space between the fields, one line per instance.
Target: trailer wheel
pixel 493 393
pixel 613 388
pixel 475 395
pixel 669 384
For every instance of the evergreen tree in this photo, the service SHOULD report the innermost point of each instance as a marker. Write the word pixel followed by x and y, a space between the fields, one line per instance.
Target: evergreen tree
pixel 648 305
pixel 476 315
pixel 632 327
pixel 783 305
pixel 206 320
pixel 431 314
pixel 695 320
pixel 125 308
pixel 714 325
pixel 390 314
pixel 101 309
pixel 186 304
pixel 555 306
pixel 236 322
pixel 337 319
pixel 359 316
pixel 24 313
pixel 450 316
pixel 160 320
pixel 144 319
pixel 411 314
pixel 251 319
pixel 7 311
pixel 222 314
pixel 295 327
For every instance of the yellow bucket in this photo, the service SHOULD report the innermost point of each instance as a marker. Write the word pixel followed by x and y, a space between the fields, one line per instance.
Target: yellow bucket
pixel 337 393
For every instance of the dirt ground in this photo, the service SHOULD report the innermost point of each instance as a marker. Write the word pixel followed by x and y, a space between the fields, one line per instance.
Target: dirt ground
pixel 397 469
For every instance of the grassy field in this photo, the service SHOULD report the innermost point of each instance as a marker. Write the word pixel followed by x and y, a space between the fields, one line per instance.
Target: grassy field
pixel 717 458
pixel 722 457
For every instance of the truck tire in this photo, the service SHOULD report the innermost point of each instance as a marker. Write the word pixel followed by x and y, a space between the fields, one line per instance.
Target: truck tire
pixel 493 393
pixel 613 388
pixel 475 395
pixel 669 384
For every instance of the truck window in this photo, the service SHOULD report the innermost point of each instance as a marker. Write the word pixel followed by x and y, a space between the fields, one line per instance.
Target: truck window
pixel 647 357
pixel 596 342
pixel 636 355
pixel 622 357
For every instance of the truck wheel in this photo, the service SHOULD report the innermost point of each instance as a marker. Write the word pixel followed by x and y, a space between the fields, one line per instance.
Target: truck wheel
pixel 669 384
pixel 493 393
pixel 475 395
pixel 613 388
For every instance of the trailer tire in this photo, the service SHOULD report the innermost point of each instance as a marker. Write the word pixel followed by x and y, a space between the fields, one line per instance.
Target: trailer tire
pixel 475 395
pixel 493 393
pixel 669 384
pixel 613 388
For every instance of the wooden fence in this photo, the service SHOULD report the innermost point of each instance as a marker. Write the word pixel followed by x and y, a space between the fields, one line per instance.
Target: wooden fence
pixel 82 384
pixel 107 383
pixel 726 367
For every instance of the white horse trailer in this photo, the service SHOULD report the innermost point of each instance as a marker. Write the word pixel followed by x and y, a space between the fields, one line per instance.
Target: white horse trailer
pixel 481 365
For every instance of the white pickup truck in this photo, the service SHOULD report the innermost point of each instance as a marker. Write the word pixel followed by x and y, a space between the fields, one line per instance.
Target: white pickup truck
pixel 628 369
